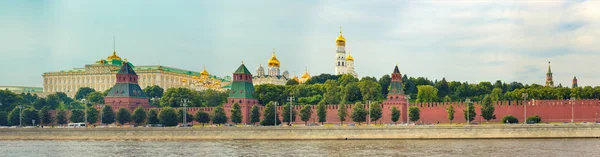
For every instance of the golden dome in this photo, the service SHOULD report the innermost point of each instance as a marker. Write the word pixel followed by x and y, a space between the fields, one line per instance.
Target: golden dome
pixel 204 72
pixel 305 75
pixel 114 56
pixel 349 58
pixel 296 78
pixel 273 61
pixel 340 40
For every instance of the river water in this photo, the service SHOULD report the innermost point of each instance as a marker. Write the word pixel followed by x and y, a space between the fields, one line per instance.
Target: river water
pixel 496 147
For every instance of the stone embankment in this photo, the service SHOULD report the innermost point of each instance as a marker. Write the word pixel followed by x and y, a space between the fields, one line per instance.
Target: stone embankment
pixel 306 133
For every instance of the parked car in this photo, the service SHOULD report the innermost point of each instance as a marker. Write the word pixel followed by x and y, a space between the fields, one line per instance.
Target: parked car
pixel 76 125
pixel 228 125
pixel 154 125
pixel 184 125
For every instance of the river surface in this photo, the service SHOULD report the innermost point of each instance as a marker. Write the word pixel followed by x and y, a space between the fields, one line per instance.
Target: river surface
pixel 512 147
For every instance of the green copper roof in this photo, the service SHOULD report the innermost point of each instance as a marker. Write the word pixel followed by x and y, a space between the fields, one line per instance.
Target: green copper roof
pixel 127 69
pixel 242 70
pixel 241 89
pixel 126 90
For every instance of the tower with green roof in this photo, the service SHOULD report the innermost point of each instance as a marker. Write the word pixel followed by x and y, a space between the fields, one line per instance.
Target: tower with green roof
pixel 395 98
pixel 126 93
pixel 242 92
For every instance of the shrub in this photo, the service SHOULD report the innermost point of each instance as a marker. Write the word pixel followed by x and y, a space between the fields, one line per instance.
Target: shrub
pixel 534 119
pixel 509 119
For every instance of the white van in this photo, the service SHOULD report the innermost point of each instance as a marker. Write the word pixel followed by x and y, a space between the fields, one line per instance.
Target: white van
pixel 76 125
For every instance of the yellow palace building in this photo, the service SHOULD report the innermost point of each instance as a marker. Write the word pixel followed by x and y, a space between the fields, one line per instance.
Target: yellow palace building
pixel 101 76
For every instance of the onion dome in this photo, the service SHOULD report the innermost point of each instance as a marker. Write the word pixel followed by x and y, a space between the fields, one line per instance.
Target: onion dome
pixel 286 73
pixel 204 72
pixel 296 78
pixel 340 40
pixel 260 68
pixel 273 61
pixel 114 56
pixel 305 75
pixel 350 58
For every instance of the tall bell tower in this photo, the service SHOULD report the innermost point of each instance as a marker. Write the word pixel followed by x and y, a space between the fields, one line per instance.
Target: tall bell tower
pixel 340 54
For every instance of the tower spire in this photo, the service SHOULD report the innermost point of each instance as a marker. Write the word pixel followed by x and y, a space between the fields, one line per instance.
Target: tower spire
pixel 114 46
pixel 340 29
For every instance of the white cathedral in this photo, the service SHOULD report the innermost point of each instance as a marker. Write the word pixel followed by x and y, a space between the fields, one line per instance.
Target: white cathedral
pixel 343 64
pixel 273 73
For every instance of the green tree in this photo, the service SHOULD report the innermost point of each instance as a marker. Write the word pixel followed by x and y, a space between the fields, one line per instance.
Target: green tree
pixel 443 88
pixel 45 116
pixel 322 112
pixel 534 119
pixel 270 117
pixel 359 114
pixel 332 92
pixel 202 117
pixel 510 119
pixel 346 79
pixel 3 118
pixel 291 82
pixel 487 109
pixel 189 117
pixel 54 101
pixel 447 99
pixel 254 114
pixel 395 114
pixel 320 79
pixel 14 116
pixel 351 93
pixel 139 115
pixel 108 115
pixel 375 112
pixel 305 113
pixel 236 113
pixel 414 114
pixel 369 89
pixel 426 93
pixel 29 115
pixel 96 98
pixel 269 92
pixel 385 82
pixel 154 91
pixel 92 115
pixel 61 117
pixel 39 103
pixel 286 114
pixel 76 116
pixel 123 116
pixel 174 96
pixel 471 112
pixel 153 117
pixel 83 92
pixel 496 94
pixel 219 116
pixel 342 113
pixel 450 111
pixel 212 98
pixel 168 116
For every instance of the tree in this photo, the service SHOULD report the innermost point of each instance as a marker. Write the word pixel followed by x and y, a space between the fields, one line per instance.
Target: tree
pixel 395 114
pixel 270 117
pixel 487 109
pixel 426 93
pixel 153 117
pixel 139 115
pixel 39 103
pixel 286 114
pixel 212 98
pixel 450 111
pixel 236 113
pixel 108 115
pixel 14 116
pixel 219 116
pixel 447 99
pixel 496 94
pixel 375 112
pixel 45 116
pixel 173 97
pixel 3 118
pixel 369 89
pixel 76 116
pixel 346 79
pixel 351 93
pixel 332 92
pixel 534 119
pixel 188 117
pixel 83 92
pixel 291 82
pixel 269 92
pixel 61 117
pixel 254 114
pixel 322 112
pixel 305 113
pixel 202 117
pixel 154 91
pixel 96 98
pixel 29 115
pixel 358 113
pixel 471 112
pixel 123 116
pixel 320 79
pixel 414 113
pixel 443 89
pixel 342 112
pixel 510 119
pixel 385 82
pixel 168 116
pixel 92 115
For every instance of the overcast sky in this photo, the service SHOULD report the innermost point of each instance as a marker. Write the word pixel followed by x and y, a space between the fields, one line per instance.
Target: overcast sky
pixel 461 40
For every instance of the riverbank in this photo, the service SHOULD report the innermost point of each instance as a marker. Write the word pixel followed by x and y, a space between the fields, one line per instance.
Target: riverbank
pixel 307 133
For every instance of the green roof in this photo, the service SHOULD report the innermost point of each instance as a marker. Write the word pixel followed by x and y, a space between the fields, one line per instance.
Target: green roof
pixel 242 70
pixel 127 69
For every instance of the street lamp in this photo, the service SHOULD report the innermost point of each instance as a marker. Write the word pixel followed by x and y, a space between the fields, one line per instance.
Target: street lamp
pixel 275 115
pixel 369 112
pixel 85 111
pixel 468 101
pixel 20 115
pixel 524 95
pixel 291 104
pixel 407 105
pixel 101 111
pixel 572 115
pixel 184 102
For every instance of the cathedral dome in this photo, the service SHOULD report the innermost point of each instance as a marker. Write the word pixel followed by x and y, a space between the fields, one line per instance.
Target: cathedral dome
pixel 305 75
pixel 273 61
pixel 349 58
pixel 204 72
pixel 114 56
pixel 260 68
pixel 286 74
pixel 340 40
pixel 296 78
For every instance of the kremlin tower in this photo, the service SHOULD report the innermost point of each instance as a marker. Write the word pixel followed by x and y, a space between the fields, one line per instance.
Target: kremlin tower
pixel 126 93
pixel 574 82
pixel 242 92
pixel 396 97
pixel 549 82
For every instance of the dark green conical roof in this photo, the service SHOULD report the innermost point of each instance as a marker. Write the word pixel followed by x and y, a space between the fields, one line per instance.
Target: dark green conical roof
pixel 242 70
pixel 127 69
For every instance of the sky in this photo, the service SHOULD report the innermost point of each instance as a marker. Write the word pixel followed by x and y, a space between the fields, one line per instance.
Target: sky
pixel 470 41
